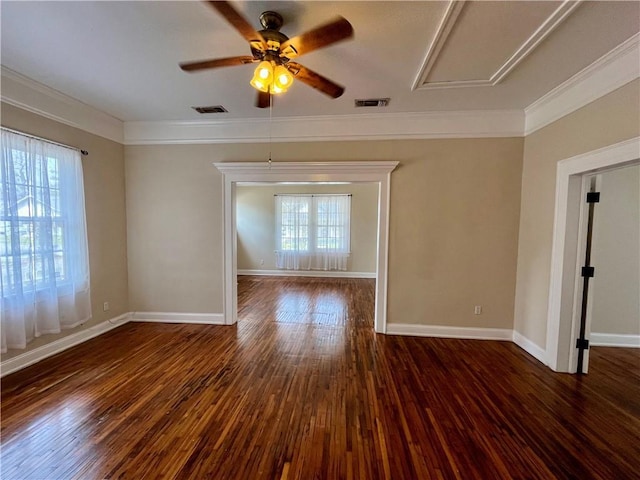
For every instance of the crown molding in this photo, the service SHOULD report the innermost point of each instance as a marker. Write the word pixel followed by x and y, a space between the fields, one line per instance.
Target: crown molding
pixel 27 94
pixel 391 126
pixel 449 19
pixel 610 72
pixel 42 100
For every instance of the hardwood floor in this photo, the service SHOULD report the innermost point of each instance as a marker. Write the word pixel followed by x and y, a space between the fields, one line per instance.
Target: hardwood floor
pixel 302 388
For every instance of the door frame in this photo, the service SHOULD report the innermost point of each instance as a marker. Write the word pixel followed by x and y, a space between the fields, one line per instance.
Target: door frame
pixel 353 172
pixel 566 248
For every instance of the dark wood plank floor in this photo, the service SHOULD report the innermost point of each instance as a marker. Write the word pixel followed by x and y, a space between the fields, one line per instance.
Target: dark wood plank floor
pixel 302 388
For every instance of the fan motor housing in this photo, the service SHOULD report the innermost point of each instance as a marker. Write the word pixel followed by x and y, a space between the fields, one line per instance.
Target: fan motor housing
pixel 274 36
pixel 271 20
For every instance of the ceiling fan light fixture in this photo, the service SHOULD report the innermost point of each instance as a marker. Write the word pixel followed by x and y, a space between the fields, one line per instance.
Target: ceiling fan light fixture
pixel 263 76
pixel 282 79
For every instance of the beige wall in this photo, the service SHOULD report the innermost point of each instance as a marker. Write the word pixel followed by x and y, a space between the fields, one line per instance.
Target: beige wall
pixel 608 120
pixel 256 219
pixel 105 207
pixel 616 254
pixel 454 228
pixel 174 229
pixel 453 233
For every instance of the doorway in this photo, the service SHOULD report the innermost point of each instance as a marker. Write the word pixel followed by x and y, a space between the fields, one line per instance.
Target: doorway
pixel 287 172
pixel 567 254
pixel 331 234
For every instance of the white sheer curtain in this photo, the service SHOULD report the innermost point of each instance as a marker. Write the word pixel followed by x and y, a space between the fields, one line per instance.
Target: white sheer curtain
pixel 313 232
pixel 44 281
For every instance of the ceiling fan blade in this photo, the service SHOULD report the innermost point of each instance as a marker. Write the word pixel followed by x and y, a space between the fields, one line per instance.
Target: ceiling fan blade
pixel 240 24
pixel 216 62
pixel 315 80
pixel 332 32
pixel 263 100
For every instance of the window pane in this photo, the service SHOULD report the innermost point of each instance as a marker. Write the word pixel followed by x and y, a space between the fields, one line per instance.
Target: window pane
pixel 294 223
pixel 332 223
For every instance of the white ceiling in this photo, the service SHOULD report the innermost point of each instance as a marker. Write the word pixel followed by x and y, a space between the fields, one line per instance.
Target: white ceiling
pixel 122 57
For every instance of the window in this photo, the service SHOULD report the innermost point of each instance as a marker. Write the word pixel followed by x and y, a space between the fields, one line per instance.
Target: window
pixel 294 213
pixel 313 232
pixel 44 268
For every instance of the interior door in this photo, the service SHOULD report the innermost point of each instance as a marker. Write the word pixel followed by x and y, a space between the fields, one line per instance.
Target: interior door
pixel 586 270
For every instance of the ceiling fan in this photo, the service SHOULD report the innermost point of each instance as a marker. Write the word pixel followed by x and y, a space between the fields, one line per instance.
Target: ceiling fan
pixel 273 51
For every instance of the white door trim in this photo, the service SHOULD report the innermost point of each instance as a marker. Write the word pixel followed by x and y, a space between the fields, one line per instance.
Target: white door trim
pixel 357 172
pixel 564 253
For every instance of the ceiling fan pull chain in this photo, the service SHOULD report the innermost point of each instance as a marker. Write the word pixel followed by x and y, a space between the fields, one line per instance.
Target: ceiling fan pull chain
pixel 270 117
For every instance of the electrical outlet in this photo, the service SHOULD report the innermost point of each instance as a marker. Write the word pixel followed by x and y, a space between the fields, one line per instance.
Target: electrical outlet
pixel 477 310
pixel 261 261
pixel 105 307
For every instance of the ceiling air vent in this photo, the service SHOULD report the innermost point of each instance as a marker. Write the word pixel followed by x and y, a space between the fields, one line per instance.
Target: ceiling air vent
pixel 373 102
pixel 213 109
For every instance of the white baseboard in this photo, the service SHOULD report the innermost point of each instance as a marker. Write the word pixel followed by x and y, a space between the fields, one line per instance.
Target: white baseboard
pixel 170 317
pixel 33 356
pixel 470 333
pixel 614 340
pixel 531 348
pixel 449 332
pixel 308 273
